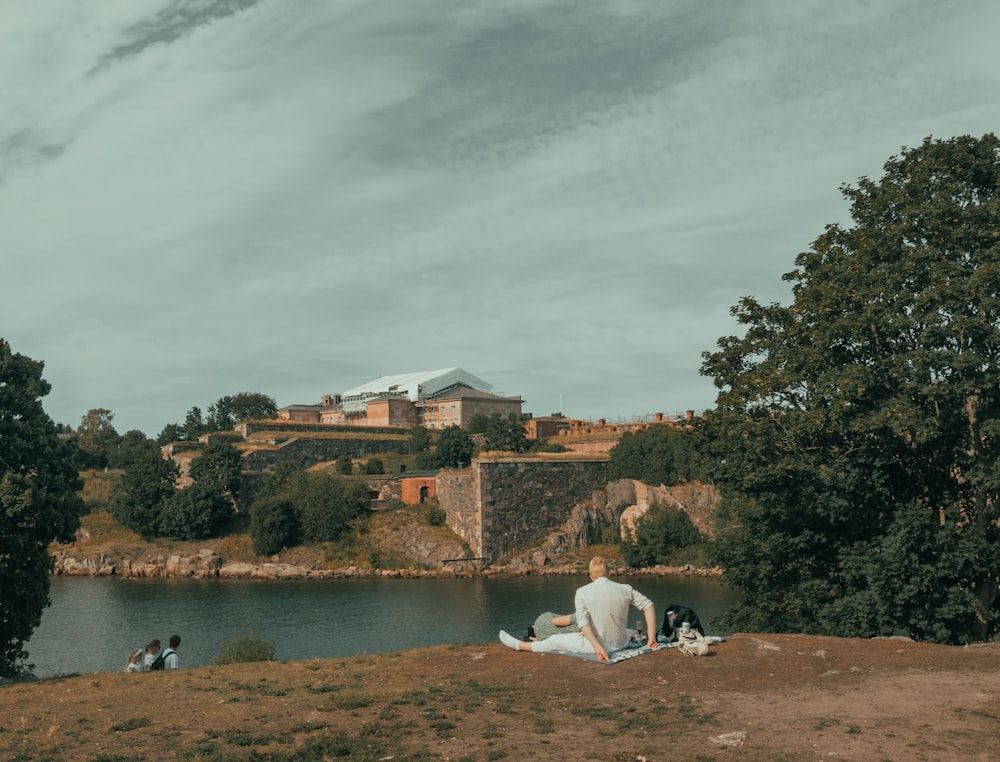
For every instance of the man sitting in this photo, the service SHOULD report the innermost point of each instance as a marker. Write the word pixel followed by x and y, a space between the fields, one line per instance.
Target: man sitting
pixel 602 609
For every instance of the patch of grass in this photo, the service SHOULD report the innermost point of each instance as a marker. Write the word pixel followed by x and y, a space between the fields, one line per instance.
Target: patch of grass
pixel 246 648
pixel 544 725
pixel 242 738
pixel 353 701
pixel 133 723
pixel 492 730
pixel 689 711
pixel 324 688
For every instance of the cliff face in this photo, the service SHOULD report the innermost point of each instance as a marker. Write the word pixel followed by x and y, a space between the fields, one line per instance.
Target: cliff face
pixel 614 510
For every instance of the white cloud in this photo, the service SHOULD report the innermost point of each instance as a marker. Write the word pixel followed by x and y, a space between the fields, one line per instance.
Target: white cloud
pixel 200 198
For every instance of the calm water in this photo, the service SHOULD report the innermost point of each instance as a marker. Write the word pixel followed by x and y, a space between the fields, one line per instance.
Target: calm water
pixel 93 622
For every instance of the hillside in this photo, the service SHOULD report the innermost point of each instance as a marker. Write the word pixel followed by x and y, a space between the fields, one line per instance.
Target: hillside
pixel 771 697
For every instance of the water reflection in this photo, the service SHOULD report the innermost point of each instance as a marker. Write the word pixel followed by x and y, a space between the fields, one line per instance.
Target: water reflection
pixel 93 623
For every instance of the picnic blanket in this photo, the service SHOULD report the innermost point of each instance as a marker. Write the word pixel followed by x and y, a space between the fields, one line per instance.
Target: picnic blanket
pixel 631 651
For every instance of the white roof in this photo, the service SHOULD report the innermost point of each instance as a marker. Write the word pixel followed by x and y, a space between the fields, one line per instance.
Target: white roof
pixel 415 386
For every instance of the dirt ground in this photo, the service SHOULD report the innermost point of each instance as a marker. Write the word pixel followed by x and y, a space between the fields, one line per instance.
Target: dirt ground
pixel 767 697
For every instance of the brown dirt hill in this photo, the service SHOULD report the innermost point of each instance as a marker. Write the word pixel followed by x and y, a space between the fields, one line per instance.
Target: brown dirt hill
pixel 770 697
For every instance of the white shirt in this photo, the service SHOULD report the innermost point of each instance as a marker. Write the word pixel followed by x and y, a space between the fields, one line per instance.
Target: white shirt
pixel 604 605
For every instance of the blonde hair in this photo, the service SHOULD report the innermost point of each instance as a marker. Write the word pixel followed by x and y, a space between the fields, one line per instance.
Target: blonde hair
pixel 598 567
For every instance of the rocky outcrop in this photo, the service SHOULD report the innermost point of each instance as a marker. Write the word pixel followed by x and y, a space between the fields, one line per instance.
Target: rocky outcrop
pixel 614 510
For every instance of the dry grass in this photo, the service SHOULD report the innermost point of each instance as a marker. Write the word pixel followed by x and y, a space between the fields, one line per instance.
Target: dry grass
pixel 779 697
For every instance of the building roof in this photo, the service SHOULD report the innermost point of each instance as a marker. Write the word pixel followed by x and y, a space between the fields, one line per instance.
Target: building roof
pixel 415 386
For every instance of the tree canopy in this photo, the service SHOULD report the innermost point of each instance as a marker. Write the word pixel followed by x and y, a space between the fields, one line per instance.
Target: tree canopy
pixel 855 435
pixel 38 502
pixel 454 447
pixel 658 455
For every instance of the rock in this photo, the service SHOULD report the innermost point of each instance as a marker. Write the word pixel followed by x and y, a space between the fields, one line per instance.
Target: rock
pixel 730 740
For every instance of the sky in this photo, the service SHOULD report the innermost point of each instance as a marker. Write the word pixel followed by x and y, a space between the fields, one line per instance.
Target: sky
pixel 562 197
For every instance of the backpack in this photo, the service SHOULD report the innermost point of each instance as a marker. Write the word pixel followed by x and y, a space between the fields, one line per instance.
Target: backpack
pixel 160 661
pixel 674 616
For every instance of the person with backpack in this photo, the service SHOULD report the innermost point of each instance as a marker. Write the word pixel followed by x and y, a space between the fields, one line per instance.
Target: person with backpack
pixel 152 651
pixel 168 658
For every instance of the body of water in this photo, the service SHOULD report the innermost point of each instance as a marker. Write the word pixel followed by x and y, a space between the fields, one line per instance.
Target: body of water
pixel 94 622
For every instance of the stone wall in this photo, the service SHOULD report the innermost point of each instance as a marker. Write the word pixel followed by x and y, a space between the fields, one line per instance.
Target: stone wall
pixel 502 504
pixel 310 451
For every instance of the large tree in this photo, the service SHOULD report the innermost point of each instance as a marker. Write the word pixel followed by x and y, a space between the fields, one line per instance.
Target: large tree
pixel 97 439
pixel 855 437
pixel 226 412
pixel 38 502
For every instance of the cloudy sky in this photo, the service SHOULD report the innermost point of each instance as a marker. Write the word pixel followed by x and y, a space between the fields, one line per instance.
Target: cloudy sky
pixel 562 197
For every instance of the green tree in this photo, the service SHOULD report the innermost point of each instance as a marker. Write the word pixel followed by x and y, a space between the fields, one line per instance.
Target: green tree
pixel 194 425
pixel 38 502
pixel 172 432
pixel 374 466
pixel 420 439
pixel 454 447
pixel 657 455
pixel 138 498
pixel 277 479
pixel 220 467
pixel 195 513
pixel 131 445
pixel 855 435
pixel 326 504
pixel 505 433
pixel 97 439
pixel 226 412
pixel 345 465
pixel 658 533
pixel 274 524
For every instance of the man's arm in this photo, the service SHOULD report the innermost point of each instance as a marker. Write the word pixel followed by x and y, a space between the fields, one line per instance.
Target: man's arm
pixel 650 614
pixel 591 636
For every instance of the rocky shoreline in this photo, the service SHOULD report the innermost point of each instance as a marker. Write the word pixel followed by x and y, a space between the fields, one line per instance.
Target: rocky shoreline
pixel 207 564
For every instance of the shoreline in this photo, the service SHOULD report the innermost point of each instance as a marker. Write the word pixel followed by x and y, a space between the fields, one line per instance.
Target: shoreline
pixel 207 564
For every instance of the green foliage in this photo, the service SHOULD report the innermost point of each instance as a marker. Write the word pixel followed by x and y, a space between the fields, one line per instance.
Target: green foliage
pixel 97 439
pixel 220 466
pixel 246 648
pixel 435 515
pixel 226 412
pixel 454 447
pixel 274 524
pixel 657 455
pixel 428 460
pixel 195 513
pixel 38 502
pixel 131 445
pixel 658 534
pixel 374 466
pixel 854 440
pixel 324 504
pixel 138 498
pixel 345 465
pixel 420 439
pixel 503 433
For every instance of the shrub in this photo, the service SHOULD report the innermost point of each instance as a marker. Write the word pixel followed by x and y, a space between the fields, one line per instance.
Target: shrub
pixel 242 649
pixel 658 533
pixel 274 525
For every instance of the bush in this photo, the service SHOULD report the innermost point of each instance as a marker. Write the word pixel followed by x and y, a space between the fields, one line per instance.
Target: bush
pixel 242 649
pixel 274 525
pixel 658 533
pixel 195 513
